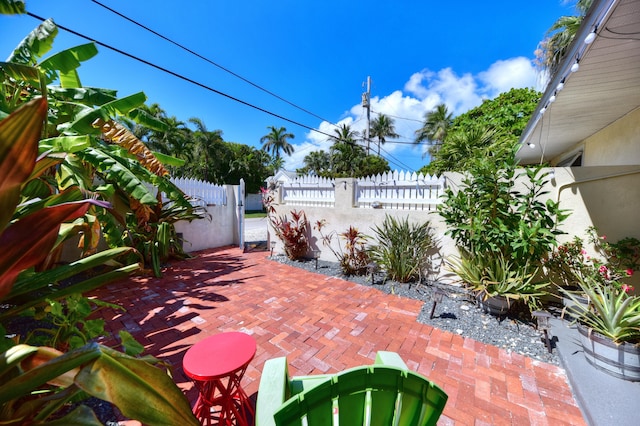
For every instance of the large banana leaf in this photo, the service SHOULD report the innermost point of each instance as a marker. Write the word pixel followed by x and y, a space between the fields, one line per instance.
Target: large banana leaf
pixel 67 62
pixel 66 144
pixel 35 45
pixel 116 169
pixel 84 120
pixel 139 390
pixel 88 96
pixel 24 248
pixel 19 135
pixel 81 287
pixel 27 283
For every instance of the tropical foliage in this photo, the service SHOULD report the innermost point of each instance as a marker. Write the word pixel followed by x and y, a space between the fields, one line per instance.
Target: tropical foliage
pixel 559 37
pixel 435 128
pixel 354 259
pixel 382 127
pixel 482 131
pixel 346 157
pixel 69 170
pixel 403 249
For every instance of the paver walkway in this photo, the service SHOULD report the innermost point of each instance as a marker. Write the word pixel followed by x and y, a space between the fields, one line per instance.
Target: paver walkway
pixel 324 325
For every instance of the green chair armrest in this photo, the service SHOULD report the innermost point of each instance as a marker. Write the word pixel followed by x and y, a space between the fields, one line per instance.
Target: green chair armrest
pixel 273 390
pixel 390 358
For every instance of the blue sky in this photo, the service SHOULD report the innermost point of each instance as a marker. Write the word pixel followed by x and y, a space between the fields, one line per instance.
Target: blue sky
pixel 316 55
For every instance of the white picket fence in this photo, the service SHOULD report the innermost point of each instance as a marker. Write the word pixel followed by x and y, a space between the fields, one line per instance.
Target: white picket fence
pixel 392 190
pixel 309 191
pixel 202 193
pixel 399 190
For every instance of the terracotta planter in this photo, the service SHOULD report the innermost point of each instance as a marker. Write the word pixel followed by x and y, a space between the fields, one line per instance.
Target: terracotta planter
pixel 622 361
pixel 494 305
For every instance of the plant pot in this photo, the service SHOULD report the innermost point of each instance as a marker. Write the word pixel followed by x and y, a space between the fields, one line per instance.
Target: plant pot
pixel 494 305
pixel 622 361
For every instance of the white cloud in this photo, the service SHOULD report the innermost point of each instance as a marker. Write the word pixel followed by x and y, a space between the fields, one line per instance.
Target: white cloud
pixel 502 76
pixel 421 93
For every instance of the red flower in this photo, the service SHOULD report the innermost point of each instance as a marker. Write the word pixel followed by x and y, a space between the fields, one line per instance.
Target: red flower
pixel 626 288
pixel 629 272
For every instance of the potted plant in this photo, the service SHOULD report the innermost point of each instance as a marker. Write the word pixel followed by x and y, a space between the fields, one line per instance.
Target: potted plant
pixel 609 325
pixel 497 283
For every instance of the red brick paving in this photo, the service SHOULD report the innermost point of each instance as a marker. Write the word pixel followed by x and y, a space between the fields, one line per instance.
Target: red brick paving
pixel 324 325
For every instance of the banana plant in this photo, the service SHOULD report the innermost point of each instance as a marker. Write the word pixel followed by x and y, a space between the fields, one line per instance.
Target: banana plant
pixel 38 381
pixel 85 141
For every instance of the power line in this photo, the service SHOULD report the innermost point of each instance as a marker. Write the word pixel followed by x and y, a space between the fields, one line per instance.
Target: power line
pixel 395 116
pixel 201 85
pixel 182 77
pixel 210 61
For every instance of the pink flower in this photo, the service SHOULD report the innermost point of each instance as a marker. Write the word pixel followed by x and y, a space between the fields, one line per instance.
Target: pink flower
pixel 626 288
pixel 629 272
pixel 583 252
pixel 604 237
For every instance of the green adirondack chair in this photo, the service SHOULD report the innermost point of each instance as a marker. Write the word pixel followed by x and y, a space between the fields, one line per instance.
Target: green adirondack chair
pixel 385 393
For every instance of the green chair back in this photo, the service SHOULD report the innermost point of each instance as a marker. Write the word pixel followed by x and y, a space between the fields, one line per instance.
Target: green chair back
pixel 368 395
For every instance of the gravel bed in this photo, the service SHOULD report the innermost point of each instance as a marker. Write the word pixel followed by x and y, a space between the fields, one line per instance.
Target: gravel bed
pixel 457 313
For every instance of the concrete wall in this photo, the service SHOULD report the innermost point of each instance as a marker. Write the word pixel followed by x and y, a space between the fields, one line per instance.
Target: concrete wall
pixel 219 229
pixel 605 197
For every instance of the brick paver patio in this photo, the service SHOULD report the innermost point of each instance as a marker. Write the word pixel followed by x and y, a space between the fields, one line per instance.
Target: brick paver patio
pixel 325 325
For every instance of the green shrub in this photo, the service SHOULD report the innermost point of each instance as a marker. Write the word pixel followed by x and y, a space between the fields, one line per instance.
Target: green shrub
pixel 403 248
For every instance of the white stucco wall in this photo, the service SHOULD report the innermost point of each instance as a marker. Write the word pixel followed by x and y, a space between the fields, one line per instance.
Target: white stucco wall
pixel 616 145
pixel 219 229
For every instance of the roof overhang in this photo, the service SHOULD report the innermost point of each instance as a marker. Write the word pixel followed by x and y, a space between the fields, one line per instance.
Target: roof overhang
pixel 605 87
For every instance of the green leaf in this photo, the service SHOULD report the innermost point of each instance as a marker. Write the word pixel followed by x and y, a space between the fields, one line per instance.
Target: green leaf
pixel 67 61
pixel 21 72
pixel 169 160
pixel 130 345
pixel 19 135
pixel 47 372
pixel 115 170
pixel 12 7
pixel 81 416
pixel 81 287
pixel 66 144
pixel 36 44
pixel 24 248
pixel 122 106
pixel 139 390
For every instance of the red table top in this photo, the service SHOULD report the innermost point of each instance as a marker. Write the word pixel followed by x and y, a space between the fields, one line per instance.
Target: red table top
pixel 219 355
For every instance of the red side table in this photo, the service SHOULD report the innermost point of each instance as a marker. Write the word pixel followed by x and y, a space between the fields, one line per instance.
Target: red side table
pixel 216 366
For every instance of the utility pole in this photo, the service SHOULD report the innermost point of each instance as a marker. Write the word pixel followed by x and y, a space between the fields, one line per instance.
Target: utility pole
pixel 366 103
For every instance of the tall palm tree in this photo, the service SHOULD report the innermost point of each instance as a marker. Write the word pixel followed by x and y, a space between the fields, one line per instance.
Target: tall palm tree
pixel 276 141
pixel 435 128
pixel 208 147
pixel 383 127
pixel 560 36
pixel 344 134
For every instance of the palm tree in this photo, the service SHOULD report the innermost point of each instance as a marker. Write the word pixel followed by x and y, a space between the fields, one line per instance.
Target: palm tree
pixel 435 128
pixel 559 37
pixel 344 134
pixel 317 162
pixel 382 128
pixel 208 146
pixel 276 141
